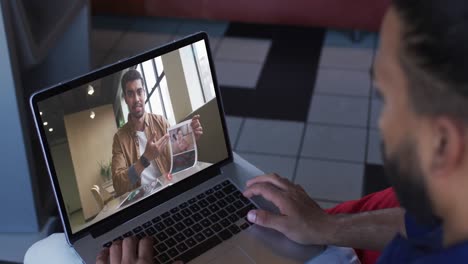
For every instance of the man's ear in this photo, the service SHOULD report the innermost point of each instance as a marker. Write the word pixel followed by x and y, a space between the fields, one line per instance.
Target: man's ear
pixel 448 145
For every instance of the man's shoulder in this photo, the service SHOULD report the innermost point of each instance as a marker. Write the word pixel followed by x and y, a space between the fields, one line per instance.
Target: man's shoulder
pixel 123 131
pixel 157 118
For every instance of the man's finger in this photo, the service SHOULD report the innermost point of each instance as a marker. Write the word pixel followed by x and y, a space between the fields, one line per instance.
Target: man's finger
pixel 129 250
pixel 116 252
pixel 145 249
pixel 274 179
pixel 163 138
pixel 195 121
pixel 195 124
pixel 169 176
pixel 163 143
pixel 267 219
pixel 103 257
pixel 269 192
pixel 152 138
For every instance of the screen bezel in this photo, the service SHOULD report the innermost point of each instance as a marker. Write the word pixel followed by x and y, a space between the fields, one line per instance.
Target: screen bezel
pixel 164 195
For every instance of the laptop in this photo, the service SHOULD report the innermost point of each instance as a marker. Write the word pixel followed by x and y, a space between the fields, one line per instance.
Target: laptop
pixel 191 201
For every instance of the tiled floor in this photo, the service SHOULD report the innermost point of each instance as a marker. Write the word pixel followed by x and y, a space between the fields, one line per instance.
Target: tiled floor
pixel 325 134
pixel 338 143
pixel 339 110
pixel 270 137
pixel 320 177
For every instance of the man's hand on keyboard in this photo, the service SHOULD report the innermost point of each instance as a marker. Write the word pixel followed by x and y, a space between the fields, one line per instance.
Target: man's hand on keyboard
pixel 129 251
pixel 301 219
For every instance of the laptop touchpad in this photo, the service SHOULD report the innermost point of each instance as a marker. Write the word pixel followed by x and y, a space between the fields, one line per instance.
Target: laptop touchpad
pixel 233 255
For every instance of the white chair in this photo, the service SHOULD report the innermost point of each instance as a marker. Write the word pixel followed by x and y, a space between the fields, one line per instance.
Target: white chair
pixel 106 196
pixel 101 196
pixel 97 197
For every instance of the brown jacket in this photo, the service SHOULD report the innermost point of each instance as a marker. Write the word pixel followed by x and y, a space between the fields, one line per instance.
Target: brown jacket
pixel 126 151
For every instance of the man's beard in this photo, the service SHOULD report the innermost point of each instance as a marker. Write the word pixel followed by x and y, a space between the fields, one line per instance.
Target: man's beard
pixel 137 115
pixel 404 172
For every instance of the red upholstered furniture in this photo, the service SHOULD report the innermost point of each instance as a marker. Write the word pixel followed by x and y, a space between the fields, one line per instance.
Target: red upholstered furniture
pixel 344 14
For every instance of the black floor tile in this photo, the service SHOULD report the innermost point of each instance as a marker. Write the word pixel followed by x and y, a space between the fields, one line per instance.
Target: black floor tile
pixel 374 179
pixel 285 86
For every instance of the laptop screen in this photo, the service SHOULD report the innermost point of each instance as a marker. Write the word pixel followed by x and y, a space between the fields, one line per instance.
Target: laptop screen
pixel 128 135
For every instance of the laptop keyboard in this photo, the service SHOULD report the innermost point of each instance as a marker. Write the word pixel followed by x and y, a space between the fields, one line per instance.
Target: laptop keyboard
pixel 197 225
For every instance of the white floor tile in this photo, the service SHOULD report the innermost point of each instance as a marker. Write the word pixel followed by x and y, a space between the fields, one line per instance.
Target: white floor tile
pixel 233 124
pixel 283 166
pixel 330 180
pixel 343 82
pixel 339 110
pixel 342 38
pixel 238 74
pixel 243 49
pixel 374 155
pixel 138 42
pixel 335 143
pixel 270 137
pixel 214 44
pixel 347 58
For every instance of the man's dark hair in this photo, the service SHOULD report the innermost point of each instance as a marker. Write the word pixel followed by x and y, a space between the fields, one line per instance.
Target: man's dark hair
pixel 434 55
pixel 130 76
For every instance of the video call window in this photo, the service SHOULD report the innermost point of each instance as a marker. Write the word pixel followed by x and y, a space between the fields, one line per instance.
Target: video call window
pixel 86 130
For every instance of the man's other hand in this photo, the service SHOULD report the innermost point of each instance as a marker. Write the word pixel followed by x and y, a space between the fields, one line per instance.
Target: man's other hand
pixel 155 147
pixel 196 127
pixel 130 250
pixel 301 219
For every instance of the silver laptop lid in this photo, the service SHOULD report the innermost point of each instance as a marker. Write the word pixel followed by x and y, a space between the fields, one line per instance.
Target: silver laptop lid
pixel 93 148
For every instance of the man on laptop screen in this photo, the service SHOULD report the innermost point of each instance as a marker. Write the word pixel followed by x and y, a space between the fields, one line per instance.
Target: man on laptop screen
pixel 140 151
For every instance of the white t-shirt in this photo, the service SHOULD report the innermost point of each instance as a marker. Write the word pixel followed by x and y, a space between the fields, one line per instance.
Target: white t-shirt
pixel 150 173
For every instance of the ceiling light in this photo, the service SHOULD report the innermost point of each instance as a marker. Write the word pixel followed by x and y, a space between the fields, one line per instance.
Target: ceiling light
pixel 40 113
pixel 51 129
pixel 92 115
pixel 46 123
pixel 90 90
